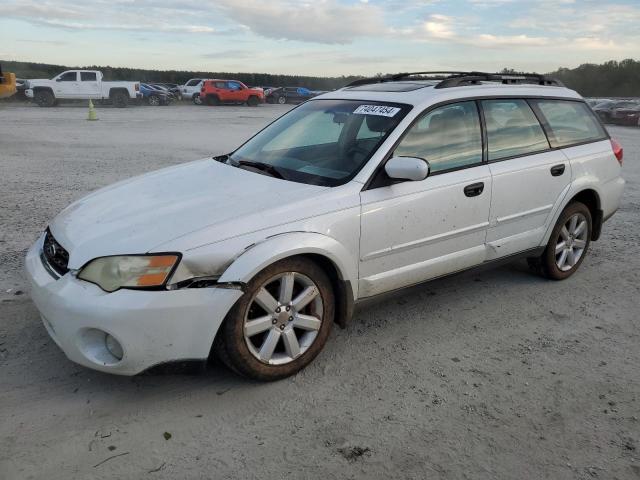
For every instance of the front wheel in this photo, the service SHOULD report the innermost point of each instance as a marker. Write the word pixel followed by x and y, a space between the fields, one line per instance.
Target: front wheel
pixel 154 101
pixel 253 101
pixel 45 98
pixel 281 323
pixel 568 243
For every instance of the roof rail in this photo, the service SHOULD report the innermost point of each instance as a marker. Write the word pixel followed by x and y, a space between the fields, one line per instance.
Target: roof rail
pixel 473 78
pixel 449 79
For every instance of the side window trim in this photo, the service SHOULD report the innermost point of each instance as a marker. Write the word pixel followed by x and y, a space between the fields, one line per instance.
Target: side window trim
pixel 478 100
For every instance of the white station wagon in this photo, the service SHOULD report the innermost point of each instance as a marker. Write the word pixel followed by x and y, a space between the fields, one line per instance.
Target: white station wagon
pixel 386 183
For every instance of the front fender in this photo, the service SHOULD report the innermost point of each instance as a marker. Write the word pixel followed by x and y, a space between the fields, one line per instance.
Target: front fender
pixel 284 245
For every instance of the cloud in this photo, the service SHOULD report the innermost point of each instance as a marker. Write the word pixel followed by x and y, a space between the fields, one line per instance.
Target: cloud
pixel 444 28
pixel 323 21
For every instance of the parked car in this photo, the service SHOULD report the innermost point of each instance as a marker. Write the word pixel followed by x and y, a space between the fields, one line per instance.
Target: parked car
pixel 626 116
pixel 606 108
pixel 155 96
pixel 386 183
pixel 81 85
pixel 191 90
pixel 173 88
pixel 289 95
pixel 216 92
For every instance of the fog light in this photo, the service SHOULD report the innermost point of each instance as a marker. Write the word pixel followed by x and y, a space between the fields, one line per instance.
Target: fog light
pixel 113 346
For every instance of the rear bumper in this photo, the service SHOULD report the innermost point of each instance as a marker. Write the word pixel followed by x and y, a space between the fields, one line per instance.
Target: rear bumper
pixel 152 327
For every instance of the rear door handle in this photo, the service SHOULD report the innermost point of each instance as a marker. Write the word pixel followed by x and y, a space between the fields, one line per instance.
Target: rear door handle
pixel 557 170
pixel 474 189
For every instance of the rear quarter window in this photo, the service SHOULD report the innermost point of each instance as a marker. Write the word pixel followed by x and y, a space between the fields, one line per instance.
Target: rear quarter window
pixel 570 122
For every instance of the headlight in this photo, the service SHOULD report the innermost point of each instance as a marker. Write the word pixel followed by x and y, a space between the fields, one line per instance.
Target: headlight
pixel 129 271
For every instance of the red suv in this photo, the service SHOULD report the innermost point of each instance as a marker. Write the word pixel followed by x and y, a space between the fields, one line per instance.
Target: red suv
pixel 215 92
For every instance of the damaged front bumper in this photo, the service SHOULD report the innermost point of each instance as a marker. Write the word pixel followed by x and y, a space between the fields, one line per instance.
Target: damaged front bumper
pixel 144 328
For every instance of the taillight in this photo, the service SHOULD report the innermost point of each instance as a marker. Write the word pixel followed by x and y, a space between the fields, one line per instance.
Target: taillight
pixel 617 150
pixel 137 87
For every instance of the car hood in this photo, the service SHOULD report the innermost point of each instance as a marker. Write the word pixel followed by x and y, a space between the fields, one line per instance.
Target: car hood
pixel 138 214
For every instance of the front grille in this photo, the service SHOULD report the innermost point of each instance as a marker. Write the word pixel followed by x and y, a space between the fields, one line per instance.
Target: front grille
pixel 54 254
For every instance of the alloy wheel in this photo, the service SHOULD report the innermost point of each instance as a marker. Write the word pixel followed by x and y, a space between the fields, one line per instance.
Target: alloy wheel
pixel 283 318
pixel 571 242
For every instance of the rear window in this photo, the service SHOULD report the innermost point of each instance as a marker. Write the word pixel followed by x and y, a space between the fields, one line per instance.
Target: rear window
pixel 570 122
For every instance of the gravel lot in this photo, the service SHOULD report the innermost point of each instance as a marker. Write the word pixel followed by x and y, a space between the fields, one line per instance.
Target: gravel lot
pixel 492 375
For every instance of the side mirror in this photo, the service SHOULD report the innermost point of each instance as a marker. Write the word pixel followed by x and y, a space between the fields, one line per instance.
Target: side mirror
pixel 407 168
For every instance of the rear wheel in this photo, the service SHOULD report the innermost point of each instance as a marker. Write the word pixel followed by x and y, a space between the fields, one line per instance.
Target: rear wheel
pixel 281 323
pixel 119 99
pixel 196 99
pixel 568 243
pixel 282 100
pixel 44 98
pixel 154 100
pixel 213 100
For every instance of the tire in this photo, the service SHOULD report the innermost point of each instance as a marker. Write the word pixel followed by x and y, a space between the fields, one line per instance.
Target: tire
pixel 154 100
pixel 120 99
pixel 44 98
pixel 196 99
pixel 283 341
pixel 282 100
pixel 212 100
pixel 558 263
pixel 253 101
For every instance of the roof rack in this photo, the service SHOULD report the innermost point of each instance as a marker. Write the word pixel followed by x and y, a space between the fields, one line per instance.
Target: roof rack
pixel 448 79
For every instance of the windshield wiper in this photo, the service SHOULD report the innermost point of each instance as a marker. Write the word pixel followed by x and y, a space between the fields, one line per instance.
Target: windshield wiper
pixel 264 167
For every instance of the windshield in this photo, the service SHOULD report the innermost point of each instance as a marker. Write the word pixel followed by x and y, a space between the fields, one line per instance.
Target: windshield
pixel 322 142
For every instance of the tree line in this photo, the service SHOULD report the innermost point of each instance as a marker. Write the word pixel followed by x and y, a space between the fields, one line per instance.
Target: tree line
pixel 612 78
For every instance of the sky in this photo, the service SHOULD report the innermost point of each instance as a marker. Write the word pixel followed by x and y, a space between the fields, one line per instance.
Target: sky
pixel 322 37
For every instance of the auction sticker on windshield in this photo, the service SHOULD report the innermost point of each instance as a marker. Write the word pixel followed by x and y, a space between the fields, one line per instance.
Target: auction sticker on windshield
pixel 381 110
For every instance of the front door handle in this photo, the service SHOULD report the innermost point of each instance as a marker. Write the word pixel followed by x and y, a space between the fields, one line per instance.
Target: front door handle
pixel 557 170
pixel 474 189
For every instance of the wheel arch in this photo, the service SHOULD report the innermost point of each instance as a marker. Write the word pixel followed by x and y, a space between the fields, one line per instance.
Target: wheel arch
pixel 114 90
pixel 43 89
pixel 325 251
pixel 591 199
pixel 589 195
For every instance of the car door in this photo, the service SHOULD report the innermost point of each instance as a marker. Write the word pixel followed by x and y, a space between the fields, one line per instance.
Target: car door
pixel 67 85
pixel 529 178
pixel 88 86
pixel 235 93
pixel 412 231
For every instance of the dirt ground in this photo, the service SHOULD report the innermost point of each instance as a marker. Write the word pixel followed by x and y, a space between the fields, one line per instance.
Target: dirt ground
pixel 492 375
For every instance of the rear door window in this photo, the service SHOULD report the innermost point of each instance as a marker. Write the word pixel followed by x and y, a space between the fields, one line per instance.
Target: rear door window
pixel 88 76
pixel 570 122
pixel 512 129
pixel 193 83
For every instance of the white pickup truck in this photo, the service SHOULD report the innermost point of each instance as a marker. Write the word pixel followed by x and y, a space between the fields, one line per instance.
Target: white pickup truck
pixel 81 85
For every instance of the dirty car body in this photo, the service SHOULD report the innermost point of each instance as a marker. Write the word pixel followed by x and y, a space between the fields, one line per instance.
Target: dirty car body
pixel 145 271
